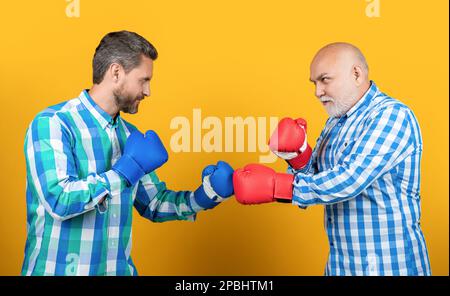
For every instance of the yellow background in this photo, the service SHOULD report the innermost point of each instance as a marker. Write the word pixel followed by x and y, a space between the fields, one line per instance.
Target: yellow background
pixel 229 58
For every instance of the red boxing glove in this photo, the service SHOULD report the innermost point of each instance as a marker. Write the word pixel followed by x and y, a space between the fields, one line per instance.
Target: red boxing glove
pixel 290 143
pixel 256 184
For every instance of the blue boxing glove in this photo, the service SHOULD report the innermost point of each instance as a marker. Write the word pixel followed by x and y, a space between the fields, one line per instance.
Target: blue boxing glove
pixel 142 155
pixel 217 185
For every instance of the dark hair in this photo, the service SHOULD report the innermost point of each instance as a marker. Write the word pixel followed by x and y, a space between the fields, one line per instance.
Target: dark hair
pixel 123 47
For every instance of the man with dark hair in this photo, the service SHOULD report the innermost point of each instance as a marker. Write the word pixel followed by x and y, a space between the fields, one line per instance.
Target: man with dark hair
pixel 87 167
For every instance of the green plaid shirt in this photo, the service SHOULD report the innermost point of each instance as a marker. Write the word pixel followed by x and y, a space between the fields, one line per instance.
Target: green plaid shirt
pixel 79 211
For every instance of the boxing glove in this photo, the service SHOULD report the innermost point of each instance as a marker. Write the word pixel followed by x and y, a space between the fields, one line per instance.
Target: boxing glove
pixel 217 185
pixel 289 142
pixel 142 154
pixel 256 184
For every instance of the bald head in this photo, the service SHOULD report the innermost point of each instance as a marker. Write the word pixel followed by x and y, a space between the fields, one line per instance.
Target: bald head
pixel 342 54
pixel 341 75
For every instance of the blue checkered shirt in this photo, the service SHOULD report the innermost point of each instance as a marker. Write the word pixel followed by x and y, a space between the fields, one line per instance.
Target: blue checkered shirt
pixel 365 170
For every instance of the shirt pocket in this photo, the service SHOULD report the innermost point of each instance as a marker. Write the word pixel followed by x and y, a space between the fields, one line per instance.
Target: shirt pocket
pixel 344 149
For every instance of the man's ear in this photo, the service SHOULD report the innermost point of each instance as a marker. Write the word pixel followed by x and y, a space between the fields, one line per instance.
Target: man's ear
pixel 358 74
pixel 114 71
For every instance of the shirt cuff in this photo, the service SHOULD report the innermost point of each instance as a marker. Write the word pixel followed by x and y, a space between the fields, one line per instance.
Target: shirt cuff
pixel 93 204
pixel 114 183
pixel 301 190
pixel 102 207
pixel 305 170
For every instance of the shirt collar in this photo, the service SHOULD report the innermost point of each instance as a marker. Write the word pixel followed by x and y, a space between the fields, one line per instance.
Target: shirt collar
pixel 102 117
pixel 365 100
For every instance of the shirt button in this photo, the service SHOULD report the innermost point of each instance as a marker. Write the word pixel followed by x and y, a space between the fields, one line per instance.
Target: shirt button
pixel 339 124
pixel 114 216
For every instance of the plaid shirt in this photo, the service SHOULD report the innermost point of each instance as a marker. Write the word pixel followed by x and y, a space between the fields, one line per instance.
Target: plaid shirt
pixel 365 169
pixel 69 151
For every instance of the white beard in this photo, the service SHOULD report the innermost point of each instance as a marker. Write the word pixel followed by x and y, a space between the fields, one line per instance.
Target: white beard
pixel 335 108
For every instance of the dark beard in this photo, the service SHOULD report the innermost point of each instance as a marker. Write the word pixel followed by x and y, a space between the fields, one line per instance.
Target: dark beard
pixel 125 103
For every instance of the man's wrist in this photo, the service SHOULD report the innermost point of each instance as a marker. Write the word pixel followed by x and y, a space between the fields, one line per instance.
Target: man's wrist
pixel 128 169
pixel 301 160
pixel 202 198
pixel 283 187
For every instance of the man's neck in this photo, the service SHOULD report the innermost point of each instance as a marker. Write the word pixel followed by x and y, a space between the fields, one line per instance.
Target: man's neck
pixel 104 99
pixel 364 88
pixel 362 91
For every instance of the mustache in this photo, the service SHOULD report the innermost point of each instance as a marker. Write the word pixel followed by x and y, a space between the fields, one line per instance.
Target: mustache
pixel 326 99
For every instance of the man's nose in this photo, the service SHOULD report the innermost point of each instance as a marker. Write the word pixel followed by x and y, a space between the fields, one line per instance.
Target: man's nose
pixel 319 91
pixel 146 91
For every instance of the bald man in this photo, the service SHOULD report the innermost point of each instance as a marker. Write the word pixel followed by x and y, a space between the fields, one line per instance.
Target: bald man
pixel 365 170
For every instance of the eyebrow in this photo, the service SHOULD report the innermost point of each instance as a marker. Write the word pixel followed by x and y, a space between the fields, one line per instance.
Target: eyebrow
pixel 319 77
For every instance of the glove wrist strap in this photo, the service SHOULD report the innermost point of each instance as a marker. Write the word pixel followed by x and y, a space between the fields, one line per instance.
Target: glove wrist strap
pixel 283 186
pixel 301 160
pixel 128 168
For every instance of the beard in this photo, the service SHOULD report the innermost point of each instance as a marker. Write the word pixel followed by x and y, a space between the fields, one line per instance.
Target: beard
pixel 336 107
pixel 126 102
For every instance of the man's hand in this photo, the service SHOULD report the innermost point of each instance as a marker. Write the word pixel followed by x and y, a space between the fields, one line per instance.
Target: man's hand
pixel 289 142
pixel 142 155
pixel 217 185
pixel 256 184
